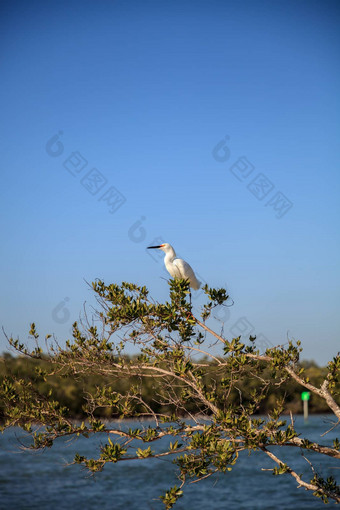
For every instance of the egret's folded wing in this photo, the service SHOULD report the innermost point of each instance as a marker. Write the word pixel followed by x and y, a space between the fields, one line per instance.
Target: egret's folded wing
pixel 186 271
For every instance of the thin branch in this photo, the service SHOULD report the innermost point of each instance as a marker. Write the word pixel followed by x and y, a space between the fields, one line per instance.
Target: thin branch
pixel 308 486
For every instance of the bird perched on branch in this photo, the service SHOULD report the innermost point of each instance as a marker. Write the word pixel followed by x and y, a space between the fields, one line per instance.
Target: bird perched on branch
pixel 177 268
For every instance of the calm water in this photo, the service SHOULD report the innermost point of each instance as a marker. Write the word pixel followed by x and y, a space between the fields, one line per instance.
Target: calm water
pixel 43 481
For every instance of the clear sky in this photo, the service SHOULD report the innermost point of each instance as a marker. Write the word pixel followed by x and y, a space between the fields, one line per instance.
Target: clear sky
pixel 213 126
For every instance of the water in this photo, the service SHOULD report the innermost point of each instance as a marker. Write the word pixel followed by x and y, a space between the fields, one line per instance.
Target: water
pixel 42 481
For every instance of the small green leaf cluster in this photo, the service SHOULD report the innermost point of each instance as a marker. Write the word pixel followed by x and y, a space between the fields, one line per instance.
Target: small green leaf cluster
pixel 235 346
pixel 282 469
pixel 336 444
pixel 282 356
pixel 325 487
pixel 93 465
pixel 112 452
pixel 171 496
pixel 143 454
pixel 216 297
pixel 333 373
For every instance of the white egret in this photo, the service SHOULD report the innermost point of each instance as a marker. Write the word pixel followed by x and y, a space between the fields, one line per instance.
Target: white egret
pixel 177 268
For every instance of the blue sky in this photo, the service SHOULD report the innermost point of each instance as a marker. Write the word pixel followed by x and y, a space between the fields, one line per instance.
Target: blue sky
pixel 131 103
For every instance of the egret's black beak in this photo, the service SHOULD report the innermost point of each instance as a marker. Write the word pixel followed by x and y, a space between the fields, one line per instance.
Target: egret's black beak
pixel 151 247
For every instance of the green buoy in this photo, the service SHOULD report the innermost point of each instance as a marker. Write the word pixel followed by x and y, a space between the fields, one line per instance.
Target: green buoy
pixel 305 396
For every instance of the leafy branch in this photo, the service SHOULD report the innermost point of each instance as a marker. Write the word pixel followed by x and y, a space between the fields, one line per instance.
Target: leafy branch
pixel 192 402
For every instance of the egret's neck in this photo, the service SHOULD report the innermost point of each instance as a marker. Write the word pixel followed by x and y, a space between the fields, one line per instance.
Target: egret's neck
pixel 170 255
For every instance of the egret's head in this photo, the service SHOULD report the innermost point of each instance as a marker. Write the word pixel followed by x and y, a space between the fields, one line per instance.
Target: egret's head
pixel 166 247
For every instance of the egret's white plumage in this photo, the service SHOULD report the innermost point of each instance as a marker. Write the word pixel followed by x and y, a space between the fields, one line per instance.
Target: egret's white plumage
pixel 177 268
